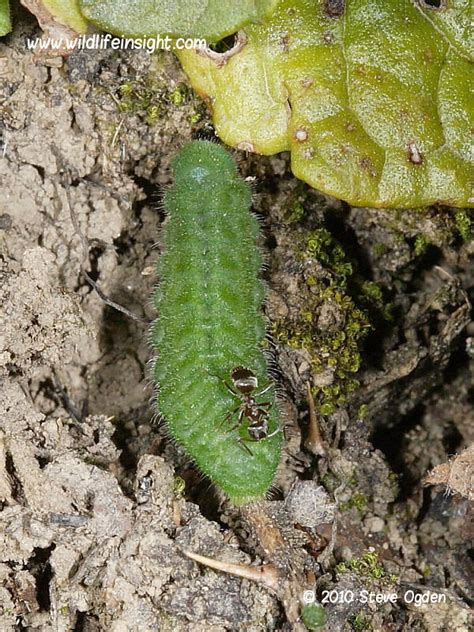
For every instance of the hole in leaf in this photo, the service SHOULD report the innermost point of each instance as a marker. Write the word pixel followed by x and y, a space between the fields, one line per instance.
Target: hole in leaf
pixel 433 4
pixel 223 45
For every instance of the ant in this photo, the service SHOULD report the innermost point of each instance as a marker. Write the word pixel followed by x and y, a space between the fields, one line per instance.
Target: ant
pixel 244 383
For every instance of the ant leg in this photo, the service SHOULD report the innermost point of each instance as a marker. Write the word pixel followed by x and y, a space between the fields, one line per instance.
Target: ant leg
pixel 226 384
pixel 230 389
pixel 241 442
pixel 265 390
pixel 266 404
pixel 229 416
pixel 239 421
pixel 272 434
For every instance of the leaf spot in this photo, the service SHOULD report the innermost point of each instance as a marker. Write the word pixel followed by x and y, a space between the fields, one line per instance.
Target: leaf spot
pixel 300 135
pixel 334 8
pixel 414 154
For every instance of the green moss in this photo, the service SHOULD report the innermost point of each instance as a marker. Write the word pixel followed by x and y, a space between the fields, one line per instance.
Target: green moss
pixel 152 114
pixel 360 623
pixel 179 485
pixel 422 228
pixel 379 249
pixel 362 413
pixel 431 226
pixel 421 245
pixel 313 616
pixel 195 118
pixel 371 297
pixel 149 97
pixel 399 238
pixel 463 224
pixel 367 565
pixel 330 481
pixel 298 204
pixel 295 212
pixel 126 89
pixel 338 306
pixel 178 95
pixel 357 500
pixel 321 244
pixel 141 98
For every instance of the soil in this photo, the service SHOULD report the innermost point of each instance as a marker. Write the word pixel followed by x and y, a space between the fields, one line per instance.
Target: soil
pixel 96 504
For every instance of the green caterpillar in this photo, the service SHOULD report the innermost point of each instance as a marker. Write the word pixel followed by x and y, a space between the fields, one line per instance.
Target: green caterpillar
pixel 210 322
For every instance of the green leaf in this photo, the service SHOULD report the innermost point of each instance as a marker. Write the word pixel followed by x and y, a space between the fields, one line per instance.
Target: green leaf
pixel 50 13
pixel 454 19
pixel 67 12
pixel 370 96
pixel 209 19
pixel 5 23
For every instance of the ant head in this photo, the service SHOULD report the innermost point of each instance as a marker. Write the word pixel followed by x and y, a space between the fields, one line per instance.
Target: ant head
pixel 244 380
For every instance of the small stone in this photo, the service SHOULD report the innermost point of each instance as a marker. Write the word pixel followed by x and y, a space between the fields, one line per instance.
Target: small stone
pixel 144 430
pixel 303 367
pixel 375 524
pixel 325 378
pixel 54 62
pixel 343 554
pixel 5 221
pixel 309 504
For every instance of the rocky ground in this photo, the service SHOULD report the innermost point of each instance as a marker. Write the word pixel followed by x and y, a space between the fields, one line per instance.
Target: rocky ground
pixel 96 505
